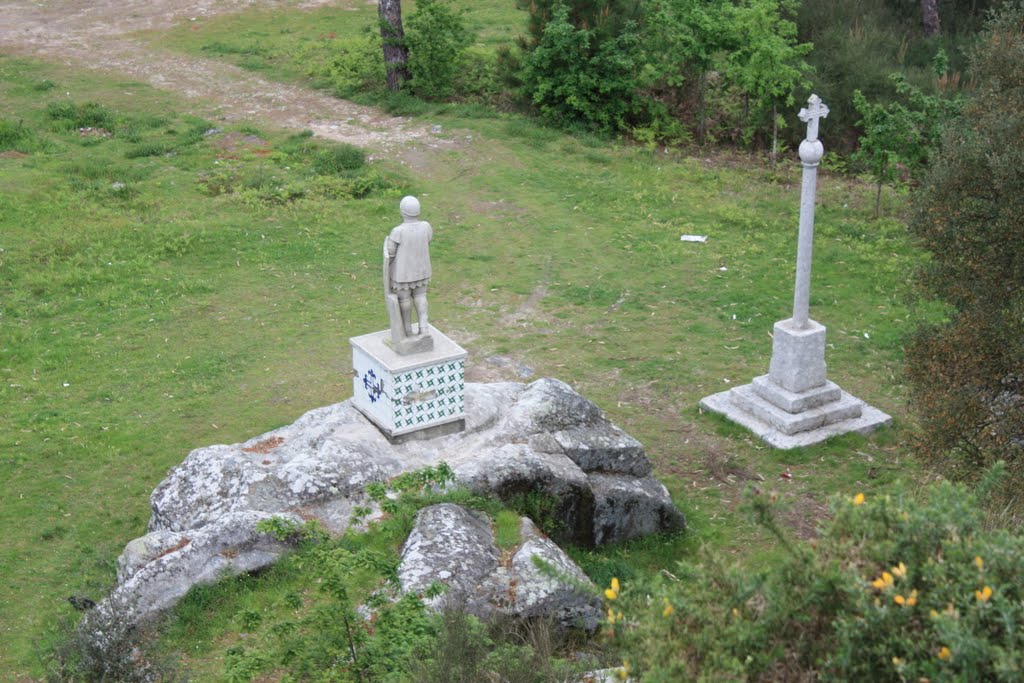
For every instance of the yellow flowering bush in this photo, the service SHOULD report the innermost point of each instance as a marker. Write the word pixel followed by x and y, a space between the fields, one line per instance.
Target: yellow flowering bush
pixel 896 588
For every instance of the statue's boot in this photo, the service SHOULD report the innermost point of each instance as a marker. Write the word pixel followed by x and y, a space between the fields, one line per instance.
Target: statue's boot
pixel 405 305
pixel 421 312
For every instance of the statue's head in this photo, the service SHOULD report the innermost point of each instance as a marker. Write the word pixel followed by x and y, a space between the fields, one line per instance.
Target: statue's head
pixel 410 207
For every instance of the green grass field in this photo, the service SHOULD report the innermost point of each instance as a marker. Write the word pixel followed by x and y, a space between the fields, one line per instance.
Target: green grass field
pixel 167 288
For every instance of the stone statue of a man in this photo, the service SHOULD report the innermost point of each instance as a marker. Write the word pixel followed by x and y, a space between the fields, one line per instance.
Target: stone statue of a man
pixel 406 276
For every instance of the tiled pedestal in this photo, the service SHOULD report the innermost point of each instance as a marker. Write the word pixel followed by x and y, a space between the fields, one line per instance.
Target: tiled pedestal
pixel 414 396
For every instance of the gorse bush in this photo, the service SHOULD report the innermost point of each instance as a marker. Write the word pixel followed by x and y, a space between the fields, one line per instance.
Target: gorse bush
pixel 895 589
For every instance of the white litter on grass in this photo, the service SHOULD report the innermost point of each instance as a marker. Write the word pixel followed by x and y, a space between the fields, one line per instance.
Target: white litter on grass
pixel 693 238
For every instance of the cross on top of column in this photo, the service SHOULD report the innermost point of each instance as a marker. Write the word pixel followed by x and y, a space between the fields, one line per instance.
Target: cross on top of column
pixel 815 109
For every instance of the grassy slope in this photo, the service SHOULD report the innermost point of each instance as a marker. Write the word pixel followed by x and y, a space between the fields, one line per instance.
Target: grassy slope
pixel 178 320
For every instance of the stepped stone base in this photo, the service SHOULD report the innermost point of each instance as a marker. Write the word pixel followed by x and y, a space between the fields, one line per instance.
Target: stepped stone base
pixel 786 419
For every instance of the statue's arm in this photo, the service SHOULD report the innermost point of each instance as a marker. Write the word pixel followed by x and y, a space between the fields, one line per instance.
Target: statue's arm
pixel 387 266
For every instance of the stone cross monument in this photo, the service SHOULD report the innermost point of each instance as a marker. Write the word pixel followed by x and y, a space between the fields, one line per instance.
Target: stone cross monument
pixel 811 151
pixel 409 380
pixel 795 404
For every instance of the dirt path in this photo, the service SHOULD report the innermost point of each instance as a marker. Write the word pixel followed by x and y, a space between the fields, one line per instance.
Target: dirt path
pixel 96 35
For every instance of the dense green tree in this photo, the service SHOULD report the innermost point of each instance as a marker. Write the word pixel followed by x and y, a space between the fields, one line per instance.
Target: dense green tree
pixel 602 18
pixel 967 373
pixel 899 138
pixel 574 77
pixel 683 40
pixel 765 60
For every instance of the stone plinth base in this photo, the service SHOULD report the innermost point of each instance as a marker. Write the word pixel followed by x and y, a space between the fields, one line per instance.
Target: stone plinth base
pixel 404 395
pixel 798 356
pixel 794 404
pixel 786 419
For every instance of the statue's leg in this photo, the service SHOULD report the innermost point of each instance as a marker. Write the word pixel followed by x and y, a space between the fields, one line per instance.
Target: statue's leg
pixel 405 306
pixel 419 296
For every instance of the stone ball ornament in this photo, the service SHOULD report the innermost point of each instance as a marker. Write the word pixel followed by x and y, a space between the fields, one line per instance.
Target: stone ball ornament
pixel 811 152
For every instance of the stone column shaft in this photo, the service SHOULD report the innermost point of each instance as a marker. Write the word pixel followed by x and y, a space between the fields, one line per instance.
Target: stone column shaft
pixel 805 246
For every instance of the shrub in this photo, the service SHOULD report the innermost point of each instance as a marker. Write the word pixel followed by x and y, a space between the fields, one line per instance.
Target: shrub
pixel 476 79
pixel 347 67
pixel 436 40
pixel 895 589
pixel 363 629
pixel 15 136
pixel 574 78
pixel 966 372
pixel 105 647
pixel 461 649
pixel 89 115
pixel 339 159
pixel 900 139
pixel 149 149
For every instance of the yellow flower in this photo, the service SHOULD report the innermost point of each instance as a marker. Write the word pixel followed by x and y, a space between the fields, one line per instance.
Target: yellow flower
pixel 944 654
pixel 979 563
pixel 611 616
pixel 623 672
pixel 669 609
pixel 899 600
pixel 610 594
pixel 858 499
pixel 912 598
pixel 933 614
pixel 897 662
pixel 984 594
pixel 900 570
pixel 735 613
pixel 882 582
pixel 615 584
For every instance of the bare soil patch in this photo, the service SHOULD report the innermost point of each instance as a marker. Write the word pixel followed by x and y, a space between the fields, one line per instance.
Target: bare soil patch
pixel 99 36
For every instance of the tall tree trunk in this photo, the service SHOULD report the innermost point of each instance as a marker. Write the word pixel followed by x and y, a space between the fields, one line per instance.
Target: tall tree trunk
pixel 393 39
pixel 701 127
pixel 775 135
pixel 930 17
